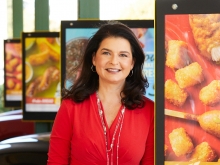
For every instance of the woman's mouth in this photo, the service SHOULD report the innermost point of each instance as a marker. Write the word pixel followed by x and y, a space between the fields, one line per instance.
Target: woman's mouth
pixel 113 70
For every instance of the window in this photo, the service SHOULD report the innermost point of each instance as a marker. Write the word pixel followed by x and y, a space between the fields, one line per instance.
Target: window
pixel 126 9
pixel 6 20
pixel 28 15
pixel 61 10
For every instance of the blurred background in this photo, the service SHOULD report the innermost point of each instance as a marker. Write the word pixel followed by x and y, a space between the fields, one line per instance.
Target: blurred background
pixel 17 16
pixel 12 23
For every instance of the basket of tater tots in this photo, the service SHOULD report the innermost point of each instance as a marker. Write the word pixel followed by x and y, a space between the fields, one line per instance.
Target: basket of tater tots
pixel 192 88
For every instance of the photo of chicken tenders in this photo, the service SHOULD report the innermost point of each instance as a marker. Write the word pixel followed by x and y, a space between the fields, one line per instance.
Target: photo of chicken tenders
pixel 42 71
pixel 206 33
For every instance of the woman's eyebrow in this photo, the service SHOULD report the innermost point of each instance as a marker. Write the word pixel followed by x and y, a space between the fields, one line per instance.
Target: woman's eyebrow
pixel 123 51
pixel 105 49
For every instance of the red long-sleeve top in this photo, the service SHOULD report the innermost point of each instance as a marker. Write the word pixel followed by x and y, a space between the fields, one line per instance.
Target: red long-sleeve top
pixel 77 137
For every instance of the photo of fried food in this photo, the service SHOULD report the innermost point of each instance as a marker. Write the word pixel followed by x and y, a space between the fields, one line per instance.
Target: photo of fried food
pixel 189 75
pixel 210 94
pixel 13 68
pixel 177 54
pixel 200 113
pixel 174 94
pixel 47 51
pixel 203 152
pixel 210 122
pixel 42 83
pixel 181 142
pixel 206 33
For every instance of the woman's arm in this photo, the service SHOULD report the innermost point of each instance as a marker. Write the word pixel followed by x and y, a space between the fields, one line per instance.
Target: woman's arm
pixel 60 140
pixel 148 158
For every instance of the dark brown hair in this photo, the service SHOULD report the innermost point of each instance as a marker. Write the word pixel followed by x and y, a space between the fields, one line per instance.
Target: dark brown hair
pixel 88 81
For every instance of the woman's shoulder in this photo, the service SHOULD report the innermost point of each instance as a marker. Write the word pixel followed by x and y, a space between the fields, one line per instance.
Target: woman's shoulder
pixel 68 101
pixel 148 105
pixel 71 102
pixel 148 101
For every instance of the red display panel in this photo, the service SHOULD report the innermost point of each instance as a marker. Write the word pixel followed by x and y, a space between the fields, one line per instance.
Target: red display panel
pixel 187 81
pixel 12 73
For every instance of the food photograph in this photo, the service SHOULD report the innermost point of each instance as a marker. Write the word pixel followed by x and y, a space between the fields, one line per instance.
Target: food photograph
pixel 192 88
pixel 42 73
pixel 13 69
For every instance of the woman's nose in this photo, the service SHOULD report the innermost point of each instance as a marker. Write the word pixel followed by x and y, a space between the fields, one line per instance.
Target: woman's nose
pixel 114 60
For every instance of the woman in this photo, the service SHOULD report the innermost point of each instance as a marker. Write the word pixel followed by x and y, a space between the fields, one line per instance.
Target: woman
pixel 104 117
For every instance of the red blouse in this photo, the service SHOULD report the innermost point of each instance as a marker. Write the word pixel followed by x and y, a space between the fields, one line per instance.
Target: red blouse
pixel 77 137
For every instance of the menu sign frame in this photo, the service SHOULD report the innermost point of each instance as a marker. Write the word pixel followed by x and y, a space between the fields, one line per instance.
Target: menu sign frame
pixel 41 75
pixel 182 93
pixel 12 73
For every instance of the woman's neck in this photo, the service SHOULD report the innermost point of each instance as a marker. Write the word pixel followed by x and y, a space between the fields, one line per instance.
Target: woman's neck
pixel 110 92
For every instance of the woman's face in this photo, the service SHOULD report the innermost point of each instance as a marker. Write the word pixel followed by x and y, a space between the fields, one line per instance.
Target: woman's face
pixel 113 60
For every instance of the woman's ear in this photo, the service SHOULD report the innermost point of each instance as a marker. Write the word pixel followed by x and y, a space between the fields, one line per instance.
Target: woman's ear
pixel 132 64
pixel 93 58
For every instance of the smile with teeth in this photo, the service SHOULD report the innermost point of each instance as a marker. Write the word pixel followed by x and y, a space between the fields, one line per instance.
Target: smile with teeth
pixel 113 70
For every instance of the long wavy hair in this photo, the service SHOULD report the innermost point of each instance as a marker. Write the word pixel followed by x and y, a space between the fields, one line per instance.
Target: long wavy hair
pixel 88 81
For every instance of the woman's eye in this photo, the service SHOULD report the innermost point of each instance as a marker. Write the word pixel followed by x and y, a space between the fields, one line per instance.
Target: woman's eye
pixel 106 53
pixel 123 55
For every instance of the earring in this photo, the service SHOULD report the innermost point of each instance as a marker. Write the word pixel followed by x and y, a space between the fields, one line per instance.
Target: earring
pixel 131 73
pixel 92 69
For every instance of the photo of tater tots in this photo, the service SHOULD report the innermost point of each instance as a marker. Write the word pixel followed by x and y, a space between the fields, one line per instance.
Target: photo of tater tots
pixel 180 142
pixel 203 152
pixel 210 94
pixel 189 75
pixel 177 54
pixel 174 94
pixel 191 82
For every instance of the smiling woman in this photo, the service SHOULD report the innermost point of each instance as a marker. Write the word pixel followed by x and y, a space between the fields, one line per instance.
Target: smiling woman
pixel 107 98
pixel 113 60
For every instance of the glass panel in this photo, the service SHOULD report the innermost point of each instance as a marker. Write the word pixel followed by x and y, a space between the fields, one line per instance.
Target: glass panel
pixel 61 10
pixel 126 9
pixel 8 17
